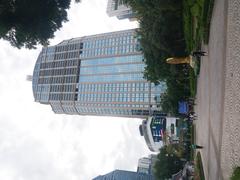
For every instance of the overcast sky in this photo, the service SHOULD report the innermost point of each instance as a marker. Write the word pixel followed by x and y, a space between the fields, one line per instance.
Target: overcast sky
pixel 35 143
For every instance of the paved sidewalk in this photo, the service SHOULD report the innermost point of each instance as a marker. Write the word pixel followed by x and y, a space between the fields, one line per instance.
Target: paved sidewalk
pixel 218 93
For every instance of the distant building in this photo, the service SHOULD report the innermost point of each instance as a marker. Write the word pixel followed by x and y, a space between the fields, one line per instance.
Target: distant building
pixel 146 164
pixel 152 129
pixel 124 175
pixel 118 9
pixel 99 75
pixel 159 131
pixel 29 77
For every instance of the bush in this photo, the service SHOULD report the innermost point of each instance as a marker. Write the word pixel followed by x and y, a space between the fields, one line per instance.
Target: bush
pixel 236 174
pixel 199 165
pixel 167 164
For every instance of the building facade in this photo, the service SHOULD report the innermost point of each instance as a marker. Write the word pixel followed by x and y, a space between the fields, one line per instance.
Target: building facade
pixel 118 9
pixel 124 175
pixel 146 164
pixel 158 131
pixel 152 129
pixel 96 75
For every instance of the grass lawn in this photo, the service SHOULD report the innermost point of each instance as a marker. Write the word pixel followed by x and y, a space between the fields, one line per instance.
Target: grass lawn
pixel 193 74
pixel 193 83
pixel 192 130
pixel 197 17
pixel 236 174
pixel 199 172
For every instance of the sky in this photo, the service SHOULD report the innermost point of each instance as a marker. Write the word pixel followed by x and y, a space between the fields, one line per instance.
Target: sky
pixel 35 143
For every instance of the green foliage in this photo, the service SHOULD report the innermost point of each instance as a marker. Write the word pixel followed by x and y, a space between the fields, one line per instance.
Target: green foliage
pixel 29 22
pixel 166 31
pixel 177 88
pixel 191 14
pixel 167 164
pixel 195 10
pixel 236 174
pixel 192 132
pixel 193 83
pixel 207 15
pixel 176 149
pixel 197 16
pixel 188 29
pixel 160 34
pixel 162 30
pixel 199 168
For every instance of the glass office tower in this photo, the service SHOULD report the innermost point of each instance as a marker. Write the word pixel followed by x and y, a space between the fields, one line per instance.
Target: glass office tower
pixel 96 75
pixel 125 175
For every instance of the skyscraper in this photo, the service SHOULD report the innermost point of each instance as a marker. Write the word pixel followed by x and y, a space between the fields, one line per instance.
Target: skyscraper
pixel 96 75
pixel 118 9
pixel 124 175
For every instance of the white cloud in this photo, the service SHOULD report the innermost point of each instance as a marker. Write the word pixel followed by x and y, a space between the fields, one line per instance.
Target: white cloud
pixel 35 143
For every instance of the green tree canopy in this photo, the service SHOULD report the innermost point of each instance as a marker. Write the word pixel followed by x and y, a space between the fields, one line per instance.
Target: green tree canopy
pixel 167 164
pixel 29 22
pixel 160 34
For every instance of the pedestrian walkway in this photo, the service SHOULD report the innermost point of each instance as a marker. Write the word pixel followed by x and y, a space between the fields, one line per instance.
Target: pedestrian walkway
pixel 218 93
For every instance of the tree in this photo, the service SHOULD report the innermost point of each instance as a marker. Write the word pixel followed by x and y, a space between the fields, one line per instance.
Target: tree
pixel 167 164
pixel 29 22
pixel 161 36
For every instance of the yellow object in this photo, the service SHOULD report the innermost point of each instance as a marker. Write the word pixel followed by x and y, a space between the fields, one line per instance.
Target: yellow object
pixel 181 60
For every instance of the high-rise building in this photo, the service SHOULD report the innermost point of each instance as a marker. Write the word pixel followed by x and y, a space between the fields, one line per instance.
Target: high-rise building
pixel 146 164
pixel 96 75
pixel 120 10
pixel 124 175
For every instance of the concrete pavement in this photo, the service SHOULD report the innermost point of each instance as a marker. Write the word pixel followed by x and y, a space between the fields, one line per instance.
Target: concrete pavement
pixel 218 93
